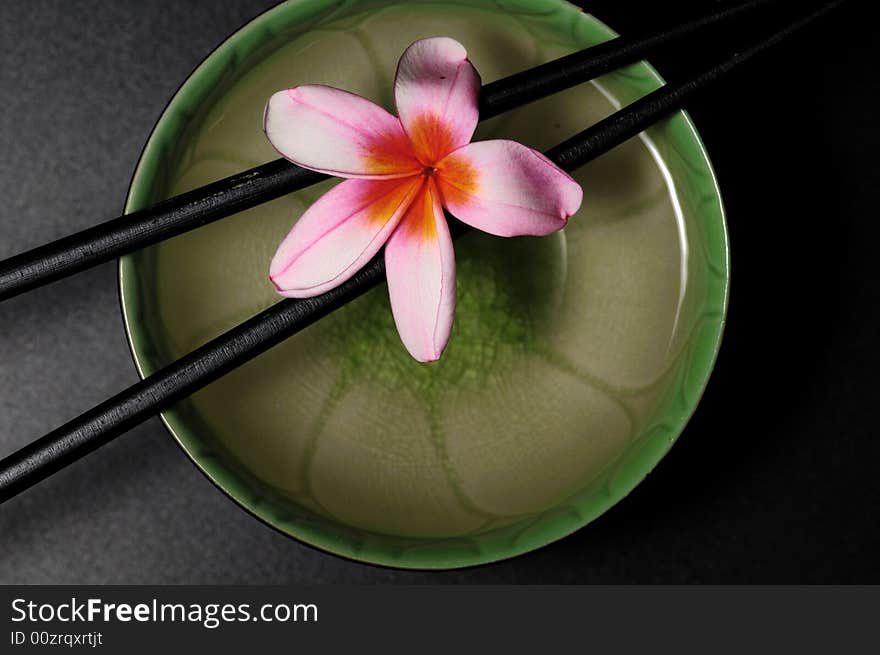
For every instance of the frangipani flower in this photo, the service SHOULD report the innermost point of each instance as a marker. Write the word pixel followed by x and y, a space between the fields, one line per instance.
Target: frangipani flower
pixel 403 171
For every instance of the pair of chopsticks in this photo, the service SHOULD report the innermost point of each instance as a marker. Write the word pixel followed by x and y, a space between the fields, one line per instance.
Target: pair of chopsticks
pixel 242 343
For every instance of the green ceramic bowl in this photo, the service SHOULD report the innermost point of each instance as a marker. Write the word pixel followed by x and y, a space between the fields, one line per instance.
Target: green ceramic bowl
pixel 575 360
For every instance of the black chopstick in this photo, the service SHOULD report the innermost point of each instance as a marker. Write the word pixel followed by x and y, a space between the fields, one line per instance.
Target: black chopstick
pixel 131 232
pixel 242 343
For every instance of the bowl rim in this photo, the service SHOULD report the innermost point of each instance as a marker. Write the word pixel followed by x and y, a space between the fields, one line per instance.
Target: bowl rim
pixel 125 279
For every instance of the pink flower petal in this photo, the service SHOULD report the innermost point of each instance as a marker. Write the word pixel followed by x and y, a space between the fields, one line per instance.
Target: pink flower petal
pixel 436 91
pixel 507 189
pixel 338 133
pixel 420 265
pixel 339 234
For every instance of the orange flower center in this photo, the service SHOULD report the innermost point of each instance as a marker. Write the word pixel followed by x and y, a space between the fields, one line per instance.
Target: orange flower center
pixel 426 152
pixel 431 139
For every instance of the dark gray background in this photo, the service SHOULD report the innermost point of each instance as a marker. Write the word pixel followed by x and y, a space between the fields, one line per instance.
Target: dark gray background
pixel 774 480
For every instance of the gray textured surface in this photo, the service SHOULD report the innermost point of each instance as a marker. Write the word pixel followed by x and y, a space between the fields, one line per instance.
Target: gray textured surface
pixel 773 480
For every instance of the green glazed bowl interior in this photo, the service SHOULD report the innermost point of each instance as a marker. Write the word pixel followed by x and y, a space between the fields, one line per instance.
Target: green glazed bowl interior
pixel 575 360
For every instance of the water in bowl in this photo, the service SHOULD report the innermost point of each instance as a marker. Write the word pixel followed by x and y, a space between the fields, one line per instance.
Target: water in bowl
pixel 562 345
